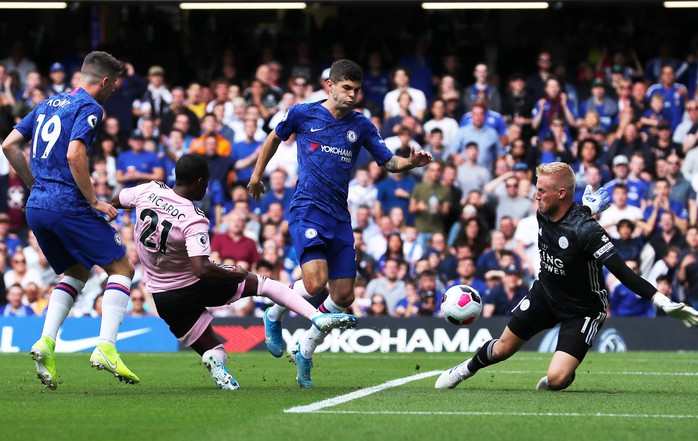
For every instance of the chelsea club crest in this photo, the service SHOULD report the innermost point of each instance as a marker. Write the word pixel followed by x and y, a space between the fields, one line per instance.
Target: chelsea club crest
pixel 351 136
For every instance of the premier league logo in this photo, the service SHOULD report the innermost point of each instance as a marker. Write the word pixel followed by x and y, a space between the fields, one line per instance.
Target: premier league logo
pixel 92 121
pixel 202 240
pixel 351 136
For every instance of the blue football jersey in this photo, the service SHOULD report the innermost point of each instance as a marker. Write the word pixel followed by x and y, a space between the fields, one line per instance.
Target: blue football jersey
pixel 51 126
pixel 327 150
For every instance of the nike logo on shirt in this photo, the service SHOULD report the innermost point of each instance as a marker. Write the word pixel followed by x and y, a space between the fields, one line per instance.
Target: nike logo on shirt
pixel 313 130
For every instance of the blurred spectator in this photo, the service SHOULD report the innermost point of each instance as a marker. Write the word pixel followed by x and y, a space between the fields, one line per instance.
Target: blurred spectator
pixel 466 276
pixel 470 174
pixel 365 263
pixel 361 192
pixel 504 297
pixel 666 266
pixel 496 257
pixel 654 115
pixel 630 143
pixel 627 246
pixel 674 94
pixel 401 81
pixel 245 153
pixel 388 286
pixel 685 133
pixel 618 211
pixel 17 60
pixel 435 144
pixel 395 190
pixel 34 299
pixel 57 80
pixel 536 83
pixel 482 86
pixel 178 107
pixel 554 104
pixel 14 306
pixel 156 99
pixel 138 304
pixel 233 244
pixel 517 104
pixel 394 250
pixel 605 107
pixel 512 203
pixel 20 274
pixel 440 120
pixel 378 243
pixel 429 288
pixel 409 306
pixel 136 165
pixel 378 306
pixel 430 202
pixel 486 138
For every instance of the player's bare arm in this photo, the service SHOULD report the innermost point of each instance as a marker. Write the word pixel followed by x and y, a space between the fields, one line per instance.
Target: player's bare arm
pixel 398 164
pixel 12 147
pixel 210 272
pixel 256 186
pixel 80 169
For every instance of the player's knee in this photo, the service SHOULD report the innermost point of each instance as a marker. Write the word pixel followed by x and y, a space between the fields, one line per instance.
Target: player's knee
pixel 315 287
pixel 560 380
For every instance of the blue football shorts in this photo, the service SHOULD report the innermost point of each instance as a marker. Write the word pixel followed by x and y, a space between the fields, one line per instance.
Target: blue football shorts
pixel 317 235
pixel 66 239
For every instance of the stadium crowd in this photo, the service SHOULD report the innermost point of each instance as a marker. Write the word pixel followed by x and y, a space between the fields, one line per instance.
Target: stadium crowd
pixel 467 218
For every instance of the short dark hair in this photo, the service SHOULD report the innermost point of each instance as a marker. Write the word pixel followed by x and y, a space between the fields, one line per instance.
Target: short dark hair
pixel 100 64
pixel 265 264
pixel 346 70
pixel 189 168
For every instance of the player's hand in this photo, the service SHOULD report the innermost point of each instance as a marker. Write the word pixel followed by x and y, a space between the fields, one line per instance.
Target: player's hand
pixel 597 201
pixel 420 158
pixel 686 314
pixel 256 189
pixel 107 209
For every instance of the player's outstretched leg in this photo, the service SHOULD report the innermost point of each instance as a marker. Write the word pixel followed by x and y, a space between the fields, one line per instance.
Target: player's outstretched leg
pixel 42 352
pixel 272 335
pixel 219 373
pixel 454 376
pixel 334 320
pixel 105 357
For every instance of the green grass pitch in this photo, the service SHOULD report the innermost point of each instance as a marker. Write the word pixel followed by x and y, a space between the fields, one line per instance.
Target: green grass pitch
pixel 629 396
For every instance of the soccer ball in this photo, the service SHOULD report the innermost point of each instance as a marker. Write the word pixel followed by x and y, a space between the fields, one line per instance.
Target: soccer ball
pixel 461 305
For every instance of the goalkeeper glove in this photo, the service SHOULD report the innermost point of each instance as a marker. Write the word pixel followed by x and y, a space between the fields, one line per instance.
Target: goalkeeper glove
pixel 598 201
pixel 686 314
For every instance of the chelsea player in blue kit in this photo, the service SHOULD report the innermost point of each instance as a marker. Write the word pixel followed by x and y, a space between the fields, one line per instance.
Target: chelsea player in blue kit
pixel 570 289
pixel 329 136
pixel 66 216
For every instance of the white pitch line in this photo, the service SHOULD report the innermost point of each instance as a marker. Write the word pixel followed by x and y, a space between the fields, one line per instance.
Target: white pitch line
pixel 527 414
pixel 670 374
pixel 341 399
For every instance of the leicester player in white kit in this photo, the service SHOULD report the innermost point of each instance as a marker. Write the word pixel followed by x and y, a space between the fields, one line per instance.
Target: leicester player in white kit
pixel 65 215
pixel 173 246
pixel 570 289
